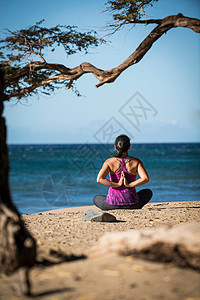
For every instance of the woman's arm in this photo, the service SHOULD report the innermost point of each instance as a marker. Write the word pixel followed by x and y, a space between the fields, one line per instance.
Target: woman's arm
pixel 144 177
pixel 101 177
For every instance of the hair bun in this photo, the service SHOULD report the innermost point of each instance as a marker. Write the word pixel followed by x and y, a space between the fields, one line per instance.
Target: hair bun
pixel 120 144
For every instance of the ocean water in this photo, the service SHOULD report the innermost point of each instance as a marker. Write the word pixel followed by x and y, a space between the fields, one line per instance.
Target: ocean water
pixel 45 177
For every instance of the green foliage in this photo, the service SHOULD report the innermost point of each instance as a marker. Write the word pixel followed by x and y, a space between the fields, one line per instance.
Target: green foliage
pixel 126 11
pixel 37 38
pixel 26 46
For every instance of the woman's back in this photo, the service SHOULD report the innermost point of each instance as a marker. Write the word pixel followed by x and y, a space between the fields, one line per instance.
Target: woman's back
pixel 115 176
pixel 131 164
pixel 122 195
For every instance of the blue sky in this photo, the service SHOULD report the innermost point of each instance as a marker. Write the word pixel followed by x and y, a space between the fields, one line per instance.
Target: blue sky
pixel 166 80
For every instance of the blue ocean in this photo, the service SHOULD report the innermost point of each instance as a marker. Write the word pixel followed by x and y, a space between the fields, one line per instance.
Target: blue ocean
pixel 46 177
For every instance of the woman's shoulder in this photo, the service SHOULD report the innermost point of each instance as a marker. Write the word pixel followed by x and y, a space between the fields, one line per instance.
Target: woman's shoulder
pixel 109 160
pixel 134 159
pixel 129 158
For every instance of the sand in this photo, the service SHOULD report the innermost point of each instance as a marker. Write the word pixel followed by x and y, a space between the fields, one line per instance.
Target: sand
pixel 64 229
pixel 62 235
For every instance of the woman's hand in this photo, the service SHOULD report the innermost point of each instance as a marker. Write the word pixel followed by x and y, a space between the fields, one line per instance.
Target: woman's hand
pixel 121 181
pixel 101 177
pixel 126 183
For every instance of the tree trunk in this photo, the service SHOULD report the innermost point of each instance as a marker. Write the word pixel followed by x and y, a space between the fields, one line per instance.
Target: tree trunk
pixel 17 246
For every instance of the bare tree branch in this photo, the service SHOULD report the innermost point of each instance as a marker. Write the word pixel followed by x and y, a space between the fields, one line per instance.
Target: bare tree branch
pixel 165 24
pixel 150 21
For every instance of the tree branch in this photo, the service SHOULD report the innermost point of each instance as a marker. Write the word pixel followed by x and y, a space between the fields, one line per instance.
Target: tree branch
pixel 28 90
pixel 106 76
pixel 150 21
pixel 35 66
pixel 165 24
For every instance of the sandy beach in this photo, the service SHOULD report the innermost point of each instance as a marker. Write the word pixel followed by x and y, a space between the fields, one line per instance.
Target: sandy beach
pixel 65 230
pixel 63 270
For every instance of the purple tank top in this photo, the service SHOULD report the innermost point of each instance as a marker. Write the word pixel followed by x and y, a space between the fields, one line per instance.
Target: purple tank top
pixel 122 195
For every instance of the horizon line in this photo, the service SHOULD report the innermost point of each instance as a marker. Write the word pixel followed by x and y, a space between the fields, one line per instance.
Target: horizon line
pixel 82 143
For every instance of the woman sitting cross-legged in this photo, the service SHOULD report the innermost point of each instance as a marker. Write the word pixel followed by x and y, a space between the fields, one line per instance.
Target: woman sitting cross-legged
pixel 122 169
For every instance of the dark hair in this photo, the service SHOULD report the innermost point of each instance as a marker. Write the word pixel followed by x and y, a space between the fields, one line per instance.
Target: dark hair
pixel 122 143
